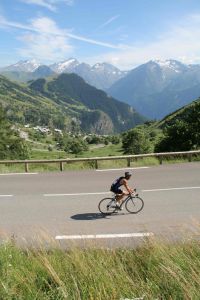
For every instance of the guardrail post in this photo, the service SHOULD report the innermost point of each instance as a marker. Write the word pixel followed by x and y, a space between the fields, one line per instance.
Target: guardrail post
pixel 61 166
pixel 96 164
pixel 189 157
pixel 160 160
pixel 128 162
pixel 26 167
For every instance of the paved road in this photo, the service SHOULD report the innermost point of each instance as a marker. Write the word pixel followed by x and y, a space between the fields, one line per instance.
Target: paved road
pixel 56 204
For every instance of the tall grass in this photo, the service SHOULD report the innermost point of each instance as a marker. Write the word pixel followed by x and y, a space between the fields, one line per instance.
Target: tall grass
pixel 155 270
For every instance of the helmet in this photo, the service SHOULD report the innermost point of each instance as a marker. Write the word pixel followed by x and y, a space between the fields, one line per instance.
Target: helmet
pixel 128 174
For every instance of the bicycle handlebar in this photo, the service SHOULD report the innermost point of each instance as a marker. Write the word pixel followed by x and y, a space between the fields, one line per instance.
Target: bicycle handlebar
pixel 133 193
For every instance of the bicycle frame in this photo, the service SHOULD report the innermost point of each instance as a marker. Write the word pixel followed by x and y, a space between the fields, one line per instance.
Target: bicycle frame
pixel 126 199
pixel 123 201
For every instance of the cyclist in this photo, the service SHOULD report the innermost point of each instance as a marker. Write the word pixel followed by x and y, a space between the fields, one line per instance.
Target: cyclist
pixel 115 188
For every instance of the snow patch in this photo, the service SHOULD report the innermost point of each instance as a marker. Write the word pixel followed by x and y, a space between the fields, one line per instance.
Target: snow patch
pixel 26 65
pixel 169 64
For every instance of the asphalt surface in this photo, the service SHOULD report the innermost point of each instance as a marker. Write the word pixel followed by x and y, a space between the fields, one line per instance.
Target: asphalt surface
pixel 47 205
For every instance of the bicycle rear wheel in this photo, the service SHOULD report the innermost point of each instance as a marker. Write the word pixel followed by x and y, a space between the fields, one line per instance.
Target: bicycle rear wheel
pixel 134 205
pixel 107 206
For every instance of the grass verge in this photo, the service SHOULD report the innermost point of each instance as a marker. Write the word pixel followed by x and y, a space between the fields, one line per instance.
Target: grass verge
pixel 156 270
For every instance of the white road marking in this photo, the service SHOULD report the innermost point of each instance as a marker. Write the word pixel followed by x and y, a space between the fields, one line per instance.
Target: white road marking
pixel 11 174
pixel 103 236
pixel 76 194
pixel 6 196
pixel 171 189
pixel 106 170
pixel 110 193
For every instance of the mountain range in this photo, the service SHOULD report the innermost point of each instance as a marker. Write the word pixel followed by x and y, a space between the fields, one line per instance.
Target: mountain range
pixel 100 75
pixel 154 89
pixel 157 88
pixel 66 102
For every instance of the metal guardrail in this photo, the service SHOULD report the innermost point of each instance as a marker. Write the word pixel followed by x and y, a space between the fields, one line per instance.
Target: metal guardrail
pixel 129 158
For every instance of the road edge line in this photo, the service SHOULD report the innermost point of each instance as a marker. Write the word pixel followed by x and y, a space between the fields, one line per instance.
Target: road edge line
pixel 103 236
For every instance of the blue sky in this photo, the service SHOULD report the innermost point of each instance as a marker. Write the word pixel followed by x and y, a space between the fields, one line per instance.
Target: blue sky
pixel 125 33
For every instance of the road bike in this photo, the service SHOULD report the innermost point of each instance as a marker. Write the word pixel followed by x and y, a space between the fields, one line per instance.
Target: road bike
pixel 133 204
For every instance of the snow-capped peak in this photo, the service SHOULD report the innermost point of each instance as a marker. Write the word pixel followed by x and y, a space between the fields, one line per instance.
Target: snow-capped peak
pixel 65 65
pixel 24 65
pixel 106 67
pixel 174 65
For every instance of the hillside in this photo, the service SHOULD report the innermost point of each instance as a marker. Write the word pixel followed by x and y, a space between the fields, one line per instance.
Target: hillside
pixel 25 76
pixel 105 113
pixel 23 106
pixel 65 102
pixel 185 113
pixel 158 88
pixel 181 129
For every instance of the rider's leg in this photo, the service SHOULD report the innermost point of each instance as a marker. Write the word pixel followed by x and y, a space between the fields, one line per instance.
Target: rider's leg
pixel 119 197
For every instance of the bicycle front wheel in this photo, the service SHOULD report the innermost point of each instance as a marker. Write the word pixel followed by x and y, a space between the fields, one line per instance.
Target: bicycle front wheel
pixel 134 205
pixel 107 206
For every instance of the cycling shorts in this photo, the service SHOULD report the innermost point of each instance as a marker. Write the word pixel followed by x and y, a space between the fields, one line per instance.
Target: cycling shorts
pixel 117 191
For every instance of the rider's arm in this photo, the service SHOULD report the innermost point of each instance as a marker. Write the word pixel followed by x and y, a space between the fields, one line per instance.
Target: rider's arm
pixel 127 187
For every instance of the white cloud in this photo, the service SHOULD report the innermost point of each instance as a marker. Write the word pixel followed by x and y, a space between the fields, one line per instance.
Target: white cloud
pixel 181 42
pixel 46 42
pixel 45 48
pixel 48 26
pixel 49 4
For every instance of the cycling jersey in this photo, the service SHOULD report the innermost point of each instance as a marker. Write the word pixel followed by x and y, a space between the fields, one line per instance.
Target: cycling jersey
pixel 116 184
